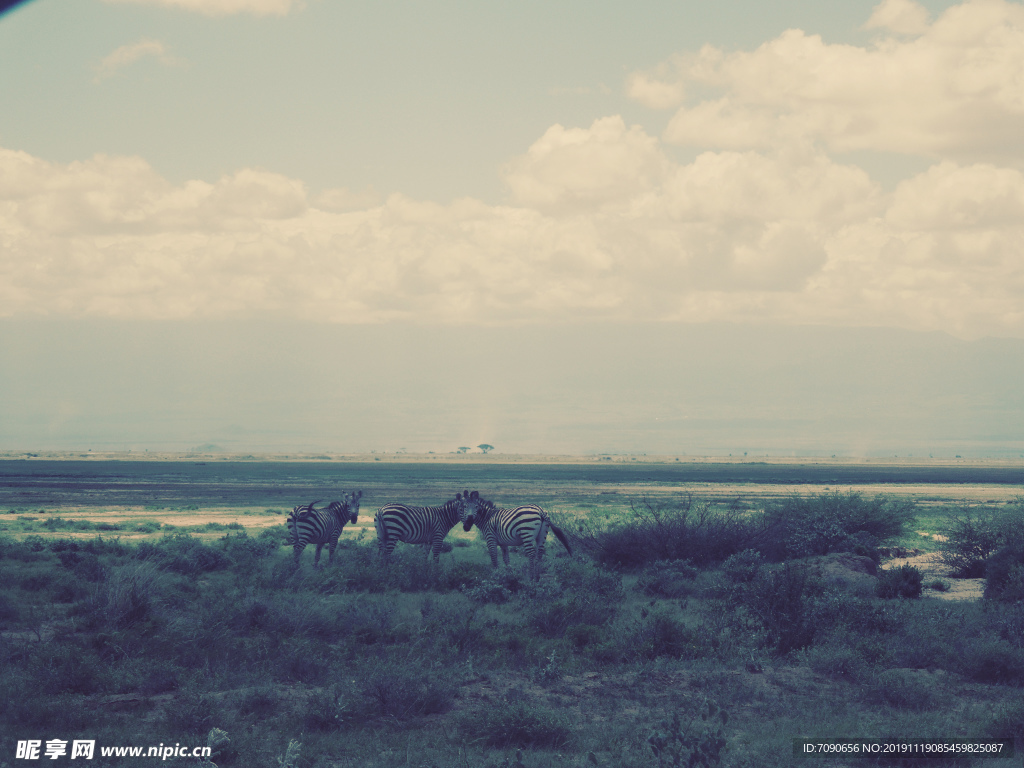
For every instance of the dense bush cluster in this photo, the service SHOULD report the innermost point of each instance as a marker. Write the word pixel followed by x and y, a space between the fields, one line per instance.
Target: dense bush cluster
pixel 798 527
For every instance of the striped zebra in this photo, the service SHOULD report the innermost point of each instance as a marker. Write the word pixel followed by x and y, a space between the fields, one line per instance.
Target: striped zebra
pixel 309 525
pixel 525 526
pixel 422 525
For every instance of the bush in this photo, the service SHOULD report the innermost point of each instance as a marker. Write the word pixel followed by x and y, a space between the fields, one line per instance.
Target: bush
pixel 788 606
pixel 905 581
pixel 743 567
pixel 667 578
pixel 518 724
pixel 694 740
pixel 659 634
pixel 903 689
pixel 191 713
pixel 687 530
pixel 833 522
pixel 993 661
pixel 127 597
pixel 327 710
pixel 405 689
pixel 9 612
pixel 971 537
pixel 1004 571
pixel 837 661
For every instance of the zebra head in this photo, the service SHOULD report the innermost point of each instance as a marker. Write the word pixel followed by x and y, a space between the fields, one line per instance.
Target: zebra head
pixel 352 505
pixel 471 507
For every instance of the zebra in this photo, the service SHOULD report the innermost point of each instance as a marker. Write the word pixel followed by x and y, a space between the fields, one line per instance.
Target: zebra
pixel 422 525
pixel 525 526
pixel 309 525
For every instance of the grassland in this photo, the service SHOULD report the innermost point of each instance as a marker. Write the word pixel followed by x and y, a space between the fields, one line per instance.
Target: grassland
pixel 152 602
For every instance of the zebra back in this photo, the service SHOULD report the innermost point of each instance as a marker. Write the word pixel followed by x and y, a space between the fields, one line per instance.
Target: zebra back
pixel 422 525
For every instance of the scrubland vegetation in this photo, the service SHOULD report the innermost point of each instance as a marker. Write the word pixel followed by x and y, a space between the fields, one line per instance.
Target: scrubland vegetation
pixel 679 634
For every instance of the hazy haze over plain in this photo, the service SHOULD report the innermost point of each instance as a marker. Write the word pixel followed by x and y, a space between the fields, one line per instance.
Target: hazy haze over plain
pixel 660 227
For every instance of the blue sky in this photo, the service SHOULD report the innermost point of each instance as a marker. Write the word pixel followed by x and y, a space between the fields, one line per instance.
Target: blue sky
pixel 842 165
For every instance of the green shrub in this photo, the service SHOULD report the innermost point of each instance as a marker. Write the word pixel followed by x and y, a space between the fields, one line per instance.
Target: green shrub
pixel 262 702
pixel 405 689
pixel 905 581
pixel 68 588
pixel 789 606
pixel 972 536
pixel 685 530
pixel 993 661
pixel 1004 570
pixel 583 577
pixel 1008 723
pixel 181 553
pixel 518 724
pixel 66 669
pixel 667 578
pixel 743 567
pixel 128 596
pixel 327 710
pixel 903 689
pixel 833 522
pixel 9 612
pixel 693 740
pixel 837 661
pixel 191 713
pixel 660 634
pixel 552 618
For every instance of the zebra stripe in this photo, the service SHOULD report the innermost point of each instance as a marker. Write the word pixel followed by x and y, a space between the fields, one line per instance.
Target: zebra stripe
pixel 422 525
pixel 525 526
pixel 309 525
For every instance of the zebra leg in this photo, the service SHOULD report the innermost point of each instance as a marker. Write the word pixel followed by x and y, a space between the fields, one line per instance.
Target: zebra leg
pixel 492 550
pixel 316 558
pixel 298 553
pixel 331 546
pixel 531 557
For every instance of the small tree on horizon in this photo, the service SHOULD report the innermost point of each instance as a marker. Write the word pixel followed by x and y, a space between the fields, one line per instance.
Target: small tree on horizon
pixel 485 447
pixel 463 448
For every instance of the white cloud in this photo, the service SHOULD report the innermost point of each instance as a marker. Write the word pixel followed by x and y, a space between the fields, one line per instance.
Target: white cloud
pixel 129 54
pixel 225 7
pixel 579 168
pixel 953 90
pixel 787 236
pixel 904 17
pixel 766 225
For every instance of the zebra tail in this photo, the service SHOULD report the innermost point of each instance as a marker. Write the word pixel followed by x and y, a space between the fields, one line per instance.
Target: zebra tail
pixel 561 537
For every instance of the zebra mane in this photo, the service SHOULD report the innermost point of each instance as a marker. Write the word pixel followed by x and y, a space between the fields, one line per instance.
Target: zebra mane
pixel 488 509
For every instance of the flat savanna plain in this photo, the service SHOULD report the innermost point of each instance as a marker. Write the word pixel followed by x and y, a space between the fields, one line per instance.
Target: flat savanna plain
pixel 189 491
pixel 583 670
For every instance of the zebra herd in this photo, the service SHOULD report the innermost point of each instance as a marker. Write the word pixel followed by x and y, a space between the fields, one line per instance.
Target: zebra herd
pixel 524 526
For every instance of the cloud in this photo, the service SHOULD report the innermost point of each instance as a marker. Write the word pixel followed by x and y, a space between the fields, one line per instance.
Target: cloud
pixel 949 90
pixel 765 224
pixel 904 17
pixel 571 168
pixel 785 236
pixel 129 54
pixel 225 7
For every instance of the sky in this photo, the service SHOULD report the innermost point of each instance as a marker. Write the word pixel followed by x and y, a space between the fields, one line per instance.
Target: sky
pixel 509 183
